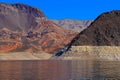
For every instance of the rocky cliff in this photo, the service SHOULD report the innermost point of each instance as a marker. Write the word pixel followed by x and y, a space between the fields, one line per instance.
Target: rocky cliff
pixel 104 31
pixel 25 28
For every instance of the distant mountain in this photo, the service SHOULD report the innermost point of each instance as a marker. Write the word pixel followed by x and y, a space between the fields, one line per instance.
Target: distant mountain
pixel 76 25
pixel 25 28
pixel 104 31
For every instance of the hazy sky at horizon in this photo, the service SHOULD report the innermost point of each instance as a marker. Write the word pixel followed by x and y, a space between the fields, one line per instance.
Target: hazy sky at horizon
pixel 71 9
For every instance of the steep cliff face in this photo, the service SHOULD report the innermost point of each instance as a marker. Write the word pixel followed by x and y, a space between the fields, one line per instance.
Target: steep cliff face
pixel 104 31
pixel 25 28
pixel 76 25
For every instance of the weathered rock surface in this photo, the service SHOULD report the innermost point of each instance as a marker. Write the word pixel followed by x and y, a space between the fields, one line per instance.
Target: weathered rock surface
pixel 104 31
pixel 25 28
pixel 109 53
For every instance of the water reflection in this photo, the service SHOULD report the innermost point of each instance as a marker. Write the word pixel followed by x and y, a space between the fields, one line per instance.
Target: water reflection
pixel 106 70
pixel 59 70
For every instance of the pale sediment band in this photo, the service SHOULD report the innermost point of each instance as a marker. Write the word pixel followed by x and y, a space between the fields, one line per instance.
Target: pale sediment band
pixel 92 52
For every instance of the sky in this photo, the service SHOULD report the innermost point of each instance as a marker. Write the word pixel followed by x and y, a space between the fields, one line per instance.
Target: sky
pixel 71 9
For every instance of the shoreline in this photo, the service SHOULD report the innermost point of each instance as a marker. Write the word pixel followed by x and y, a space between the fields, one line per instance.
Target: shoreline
pixel 101 53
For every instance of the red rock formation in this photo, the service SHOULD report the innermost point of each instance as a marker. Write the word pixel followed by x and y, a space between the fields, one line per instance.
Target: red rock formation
pixel 24 28
pixel 9 47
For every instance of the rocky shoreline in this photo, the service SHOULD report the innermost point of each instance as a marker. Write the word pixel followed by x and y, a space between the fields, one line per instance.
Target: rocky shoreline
pixel 101 53
pixel 91 53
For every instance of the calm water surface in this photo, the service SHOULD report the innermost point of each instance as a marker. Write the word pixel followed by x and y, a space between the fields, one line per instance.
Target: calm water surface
pixel 60 70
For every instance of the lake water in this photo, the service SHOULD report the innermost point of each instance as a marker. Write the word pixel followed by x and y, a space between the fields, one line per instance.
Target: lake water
pixel 60 70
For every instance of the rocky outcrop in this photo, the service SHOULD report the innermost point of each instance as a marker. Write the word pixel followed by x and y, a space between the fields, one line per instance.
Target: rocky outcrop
pixel 104 31
pixel 76 25
pixel 25 28
pixel 109 53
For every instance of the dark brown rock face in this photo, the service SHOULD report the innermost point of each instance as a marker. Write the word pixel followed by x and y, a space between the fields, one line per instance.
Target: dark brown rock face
pixel 25 28
pixel 104 31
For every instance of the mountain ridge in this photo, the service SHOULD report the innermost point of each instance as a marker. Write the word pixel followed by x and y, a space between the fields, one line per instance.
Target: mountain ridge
pixel 104 31
pixel 76 25
pixel 25 28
